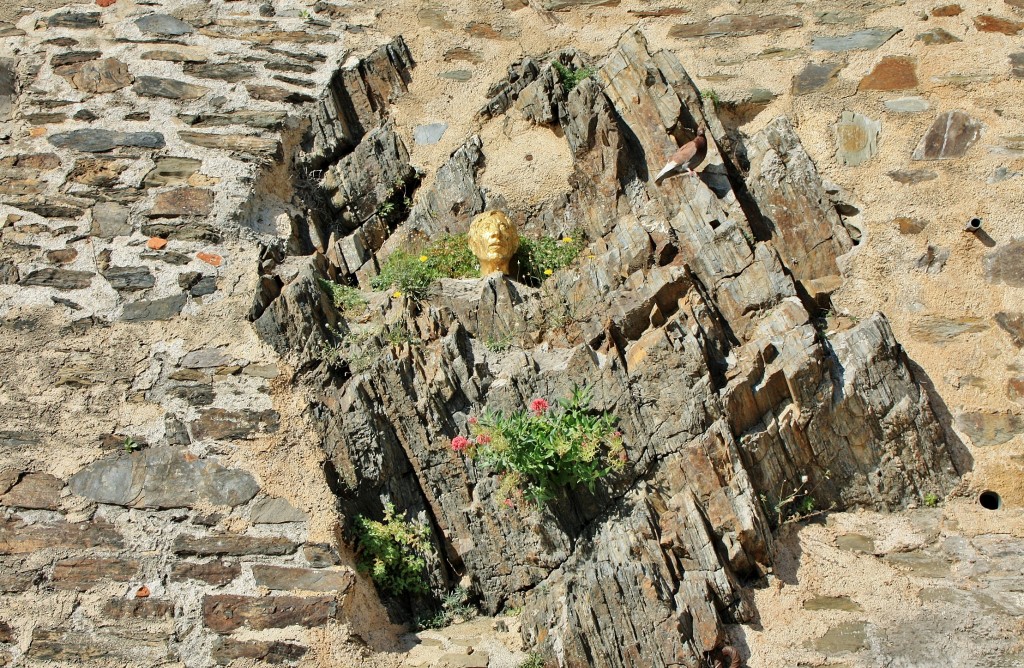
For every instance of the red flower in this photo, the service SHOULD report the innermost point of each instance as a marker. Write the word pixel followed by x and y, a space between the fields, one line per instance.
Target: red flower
pixel 538 406
pixel 509 503
pixel 460 443
pixel 483 439
pixel 473 420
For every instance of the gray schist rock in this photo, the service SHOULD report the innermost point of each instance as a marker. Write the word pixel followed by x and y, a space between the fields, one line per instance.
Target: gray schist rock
pixel 163 477
pixel 685 326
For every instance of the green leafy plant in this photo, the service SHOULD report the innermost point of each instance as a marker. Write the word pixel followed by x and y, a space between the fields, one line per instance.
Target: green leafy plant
pixel 498 344
pixel 455 607
pixel 538 452
pixel 130 445
pixel 931 500
pixel 711 94
pixel 394 552
pixel 410 272
pixel 533 661
pixel 540 258
pixel 347 299
pixel 570 76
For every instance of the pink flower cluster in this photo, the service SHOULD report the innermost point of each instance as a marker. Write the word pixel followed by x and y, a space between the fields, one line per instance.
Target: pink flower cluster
pixel 460 443
pixel 539 406
pixel 482 439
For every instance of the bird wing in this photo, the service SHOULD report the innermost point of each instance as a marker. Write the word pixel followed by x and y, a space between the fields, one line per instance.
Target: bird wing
pixel 671 166
pixel 684 154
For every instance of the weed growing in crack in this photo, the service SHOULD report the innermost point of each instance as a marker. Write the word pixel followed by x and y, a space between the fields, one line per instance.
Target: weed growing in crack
pixel 455 607
pixel 540 451
pixel 569 76
pixel 347 299
pixel 798 505
pixel 394 552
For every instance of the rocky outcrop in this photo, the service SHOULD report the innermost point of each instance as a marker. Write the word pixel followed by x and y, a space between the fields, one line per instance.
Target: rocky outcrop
pixel 727 390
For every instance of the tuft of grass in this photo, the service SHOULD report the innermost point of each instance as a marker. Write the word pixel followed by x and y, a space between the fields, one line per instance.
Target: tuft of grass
pixel 455 607
pixel 570 77
pixel 347 299
pixel 711 94
pixel 540 258
pixel 931 500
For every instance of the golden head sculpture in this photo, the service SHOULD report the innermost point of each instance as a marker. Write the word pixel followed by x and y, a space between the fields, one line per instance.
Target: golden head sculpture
pixel 494 239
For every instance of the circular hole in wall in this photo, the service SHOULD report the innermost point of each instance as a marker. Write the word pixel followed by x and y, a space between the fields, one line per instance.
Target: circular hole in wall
pixel 990 500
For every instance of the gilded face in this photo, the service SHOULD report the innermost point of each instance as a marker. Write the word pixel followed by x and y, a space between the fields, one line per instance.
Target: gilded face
pixel 494 239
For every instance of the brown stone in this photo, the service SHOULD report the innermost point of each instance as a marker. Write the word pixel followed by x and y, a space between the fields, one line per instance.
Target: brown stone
pixel 13 582
pixel 81 574
pixel 284 578
pixel 989 23
pixel 102 172
pixel 41 161
pixel 211 572
pixel 220 546
pixel 1012 324
pixel 61 255
pixel 150 608
pixel 225 613
pixel 227 650
pixel 1015 388
pixel 947 10
pixel 936 36
pixel 1017 65
pixel 952 133
pixel 909 225
pixel 182 202
pixel 892 73
pixel 100 76
pixel 16 537
pixel 34 490
pixel 65 648
pixel 6 632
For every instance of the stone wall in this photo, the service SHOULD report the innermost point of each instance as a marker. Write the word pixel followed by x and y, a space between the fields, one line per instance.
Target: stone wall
pixel 182 463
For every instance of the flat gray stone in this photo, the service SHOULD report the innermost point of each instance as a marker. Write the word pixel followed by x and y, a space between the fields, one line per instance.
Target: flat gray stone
pixel 163 477
pixel 153 309
pixel 206 358
pixel 80 21
pixel 921 564
pixel 907 105
pixel 163 25
pixel 1002 173
pixel 1006 264
pixel 985 429
pixel 858 41
pixel 429 133
pixel 856 138
pixel 952 133
pixel 457 75
pixel 275 511
pixel 92 140
pixel 814 76
pixel 230 72
pixel 110 220
pixel 99 76
pixel 129 278
pixel 912 176
pixel 221 424
pixel 60 279
pixel 1017 65
pixel 735 25
pixel 169 88
pixel 8 87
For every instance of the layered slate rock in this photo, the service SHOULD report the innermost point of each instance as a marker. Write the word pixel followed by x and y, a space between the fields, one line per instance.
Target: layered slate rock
pixel 163 477
pixel 862 40
pixel 952 133
pixel 892 73
pixel 814 77
pixel 686 324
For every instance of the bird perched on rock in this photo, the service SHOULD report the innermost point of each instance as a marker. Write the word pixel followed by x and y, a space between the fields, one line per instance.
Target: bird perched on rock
pixel 689 155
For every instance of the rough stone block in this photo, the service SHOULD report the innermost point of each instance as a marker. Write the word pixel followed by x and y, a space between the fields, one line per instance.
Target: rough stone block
pixel 211 572
pixel 82 573
pixel 228 612
pixel 221 546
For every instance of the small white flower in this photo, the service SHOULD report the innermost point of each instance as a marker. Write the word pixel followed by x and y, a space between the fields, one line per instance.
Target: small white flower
pixel 803 478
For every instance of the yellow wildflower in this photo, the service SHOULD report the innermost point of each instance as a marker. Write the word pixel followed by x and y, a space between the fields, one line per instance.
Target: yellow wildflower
pixel 566 240
pixel 423 258
pixel 397 295
pixel 547 272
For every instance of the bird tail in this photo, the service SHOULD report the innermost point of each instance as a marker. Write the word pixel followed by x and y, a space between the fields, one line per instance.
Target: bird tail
pixel 663 173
